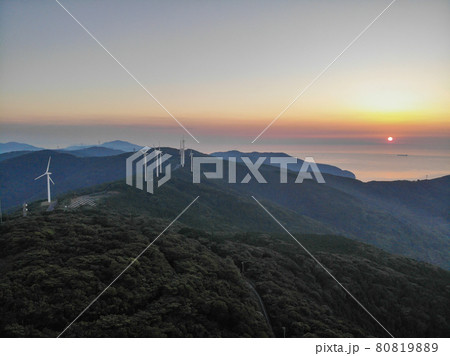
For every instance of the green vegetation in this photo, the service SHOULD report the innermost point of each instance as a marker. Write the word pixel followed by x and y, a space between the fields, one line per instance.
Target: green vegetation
pixel 54 265
pixel 189 282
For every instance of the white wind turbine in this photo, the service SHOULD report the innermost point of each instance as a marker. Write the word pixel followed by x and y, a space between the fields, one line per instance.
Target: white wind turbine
pixel 145 162
pixel 159 165
pixel 47 173
pixel 182 149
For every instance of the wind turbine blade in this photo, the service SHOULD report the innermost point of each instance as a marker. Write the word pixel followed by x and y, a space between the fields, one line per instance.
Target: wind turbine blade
pixel 48 165
pixel 51 179
pixel 40 176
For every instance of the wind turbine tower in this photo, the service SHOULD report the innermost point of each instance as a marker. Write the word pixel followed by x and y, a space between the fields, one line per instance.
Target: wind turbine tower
pixel 182 152
pixel 159 165
pixel 145 165
pixel 49 179
pixel 157 154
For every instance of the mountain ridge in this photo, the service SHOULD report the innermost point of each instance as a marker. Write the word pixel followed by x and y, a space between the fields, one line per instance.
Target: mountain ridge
pixel 294 167
pixel 120 145
pixel 17 146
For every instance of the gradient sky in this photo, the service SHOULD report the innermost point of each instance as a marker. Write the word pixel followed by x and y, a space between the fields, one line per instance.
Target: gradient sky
pixel 225 69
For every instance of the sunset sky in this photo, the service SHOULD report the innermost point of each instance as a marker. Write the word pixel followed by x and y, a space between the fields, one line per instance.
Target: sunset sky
pixel 225 69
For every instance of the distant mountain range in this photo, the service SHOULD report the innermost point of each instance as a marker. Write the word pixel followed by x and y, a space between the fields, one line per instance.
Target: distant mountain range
pixel 17 146
pixel 408 218
pixel 119 145
pixel 94 151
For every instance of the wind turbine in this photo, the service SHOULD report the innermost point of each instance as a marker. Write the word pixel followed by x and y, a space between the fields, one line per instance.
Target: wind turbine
pixel 156 152
pixel 159 165
pixel 47 173
pixel 182 152
pixel 145 163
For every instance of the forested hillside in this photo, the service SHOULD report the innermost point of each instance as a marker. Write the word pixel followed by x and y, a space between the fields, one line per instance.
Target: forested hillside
pixel 408 218
pixel 190 282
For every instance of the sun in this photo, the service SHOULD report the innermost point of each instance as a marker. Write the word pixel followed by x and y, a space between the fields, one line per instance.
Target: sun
pixel 390 139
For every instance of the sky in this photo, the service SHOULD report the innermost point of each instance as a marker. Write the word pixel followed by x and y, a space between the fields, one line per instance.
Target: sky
pixel 225 70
